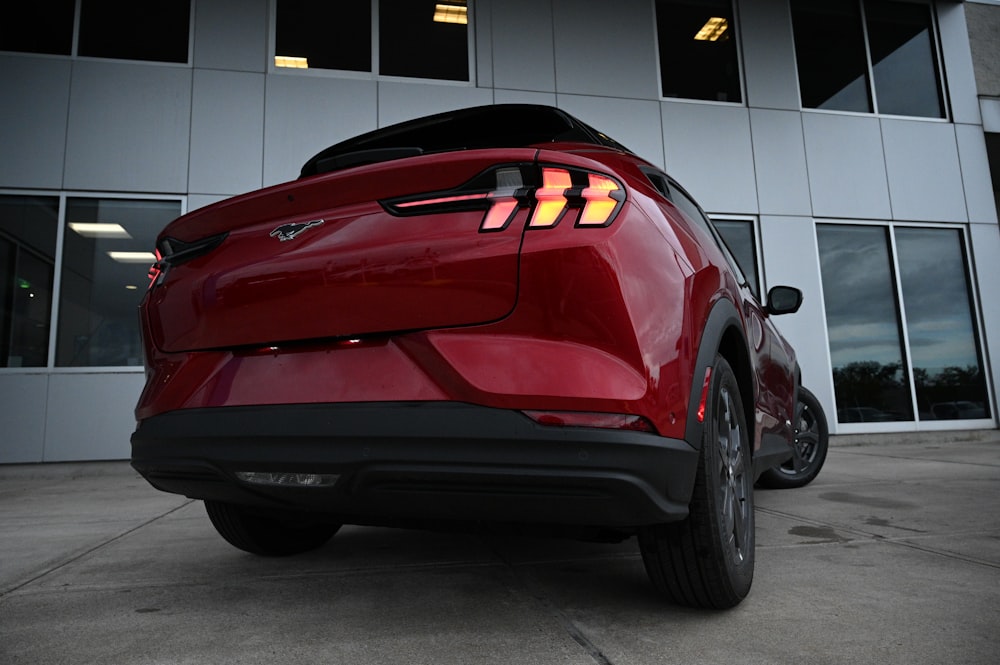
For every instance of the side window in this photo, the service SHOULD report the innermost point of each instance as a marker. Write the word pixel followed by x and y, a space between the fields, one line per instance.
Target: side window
pixel 699 58
pixel 741 240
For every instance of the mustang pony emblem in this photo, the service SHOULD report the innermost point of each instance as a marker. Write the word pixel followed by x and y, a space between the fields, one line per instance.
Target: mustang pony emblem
pixel 292 231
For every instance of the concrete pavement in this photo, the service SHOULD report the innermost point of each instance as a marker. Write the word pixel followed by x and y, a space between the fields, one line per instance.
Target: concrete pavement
pixel 891 556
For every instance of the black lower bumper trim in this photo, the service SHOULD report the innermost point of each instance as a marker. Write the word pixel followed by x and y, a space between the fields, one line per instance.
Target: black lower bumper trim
pixel 419 461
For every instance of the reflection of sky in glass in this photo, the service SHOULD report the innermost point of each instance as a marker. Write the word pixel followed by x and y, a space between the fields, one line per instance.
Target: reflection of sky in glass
pixel 858 292
pixel 936 297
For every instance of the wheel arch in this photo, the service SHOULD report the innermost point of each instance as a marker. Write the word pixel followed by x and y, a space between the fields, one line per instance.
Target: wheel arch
pixel 722 334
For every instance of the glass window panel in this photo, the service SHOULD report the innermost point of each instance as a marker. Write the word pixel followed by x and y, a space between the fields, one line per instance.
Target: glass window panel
pixel 40 26
pixel 328 35
pixel 155 30
pixel 739 238
pixel 417 39
pixel 100 291
pixel 27 250
pixel 866 348
pixel 947 366
pixel 830 54
pixel 904 59
pixel 698 53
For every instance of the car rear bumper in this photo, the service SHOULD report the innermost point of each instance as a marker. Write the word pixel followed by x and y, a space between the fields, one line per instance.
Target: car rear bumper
pixel 404 461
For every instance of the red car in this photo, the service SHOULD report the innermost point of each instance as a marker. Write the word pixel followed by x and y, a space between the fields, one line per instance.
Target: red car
pixel 497 314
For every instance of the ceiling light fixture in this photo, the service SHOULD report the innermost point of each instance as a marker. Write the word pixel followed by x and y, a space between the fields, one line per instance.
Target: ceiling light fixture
pixel 447 13
pixel 99 230
pixel 133 257
pixel 290 61
pixel 713 30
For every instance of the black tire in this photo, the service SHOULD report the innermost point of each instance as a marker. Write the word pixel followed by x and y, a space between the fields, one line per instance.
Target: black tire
pixel 267 535
pixel 707 559
pixel 812 439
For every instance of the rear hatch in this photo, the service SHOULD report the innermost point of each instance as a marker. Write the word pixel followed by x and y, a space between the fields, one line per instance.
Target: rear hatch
pixel 322 257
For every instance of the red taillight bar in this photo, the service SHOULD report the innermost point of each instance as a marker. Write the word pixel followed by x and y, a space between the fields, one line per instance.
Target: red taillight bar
pixel 592 198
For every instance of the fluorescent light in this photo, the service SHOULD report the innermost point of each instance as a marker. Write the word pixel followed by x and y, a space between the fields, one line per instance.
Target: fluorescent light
pixel 99 230
pixel 713 29
pixel 291 61
pixel 133 257
pixel 445 13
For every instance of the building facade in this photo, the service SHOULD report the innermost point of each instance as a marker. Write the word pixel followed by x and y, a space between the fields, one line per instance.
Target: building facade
pixel 842 146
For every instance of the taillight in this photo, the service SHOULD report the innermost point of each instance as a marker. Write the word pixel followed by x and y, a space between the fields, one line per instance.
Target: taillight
pixel 171 252
pixel 551 194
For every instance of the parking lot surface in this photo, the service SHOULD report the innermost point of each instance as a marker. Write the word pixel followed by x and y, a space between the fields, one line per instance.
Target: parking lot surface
pixel 891 556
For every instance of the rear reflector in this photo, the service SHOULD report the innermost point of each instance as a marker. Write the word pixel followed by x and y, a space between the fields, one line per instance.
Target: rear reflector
pixel 285 479
pixel 626 421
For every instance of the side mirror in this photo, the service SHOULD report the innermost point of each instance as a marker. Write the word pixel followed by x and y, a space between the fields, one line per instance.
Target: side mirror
pixel 783 300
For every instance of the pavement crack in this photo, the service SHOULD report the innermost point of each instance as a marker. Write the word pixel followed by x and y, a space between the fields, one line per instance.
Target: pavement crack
pixel 90 550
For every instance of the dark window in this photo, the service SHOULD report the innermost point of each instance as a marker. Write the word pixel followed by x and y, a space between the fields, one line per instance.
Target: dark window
pixel 107 252
pixel 27 250
pixel 413 38
pixel 423 39
pixel 886 62
pixel 904 59
pixel 698 52
pixel 156 30
pixel 41 26
pixel 324 35
pixel 830 53
pixel 885 364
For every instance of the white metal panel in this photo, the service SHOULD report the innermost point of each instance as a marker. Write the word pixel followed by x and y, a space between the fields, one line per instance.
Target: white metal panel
pixel 960 75
pixel 707 149
pixel 227 132
pixel 196 201
pixel 985 250
pixel 990 109
pixel 90 416
pixel 780 162
pixel 33 107
pixel 305 113
pixel 482 19
pixel 400 100
pixel 22 417
pixel 606 50
pixel 791 258
pixel 129 127
pixel 846 166
pixel 925 181
pixel 768 54
pixel 523 97
pixel 231 34
pixel 632 122
pixel 975 164
pixel 522 45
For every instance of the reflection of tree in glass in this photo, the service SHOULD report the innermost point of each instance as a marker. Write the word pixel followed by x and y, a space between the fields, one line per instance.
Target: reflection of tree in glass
pixel 954 392
pixel 868 391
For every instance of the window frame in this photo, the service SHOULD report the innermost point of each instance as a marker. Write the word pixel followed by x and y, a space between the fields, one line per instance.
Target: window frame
pixel 50 367
pixel 738 36
pixel 74 53
pixel 942 78
pixel 374 74
pixel 978 330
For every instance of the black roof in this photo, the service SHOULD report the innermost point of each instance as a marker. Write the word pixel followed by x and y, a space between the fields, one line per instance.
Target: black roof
pixel 494 126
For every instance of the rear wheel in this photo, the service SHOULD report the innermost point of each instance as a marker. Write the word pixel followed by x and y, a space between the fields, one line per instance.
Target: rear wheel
pixel 267 535
pixel 812 438
pixel 707 559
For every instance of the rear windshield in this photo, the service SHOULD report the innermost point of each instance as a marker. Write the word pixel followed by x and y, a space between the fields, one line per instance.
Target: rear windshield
pixel 499 126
